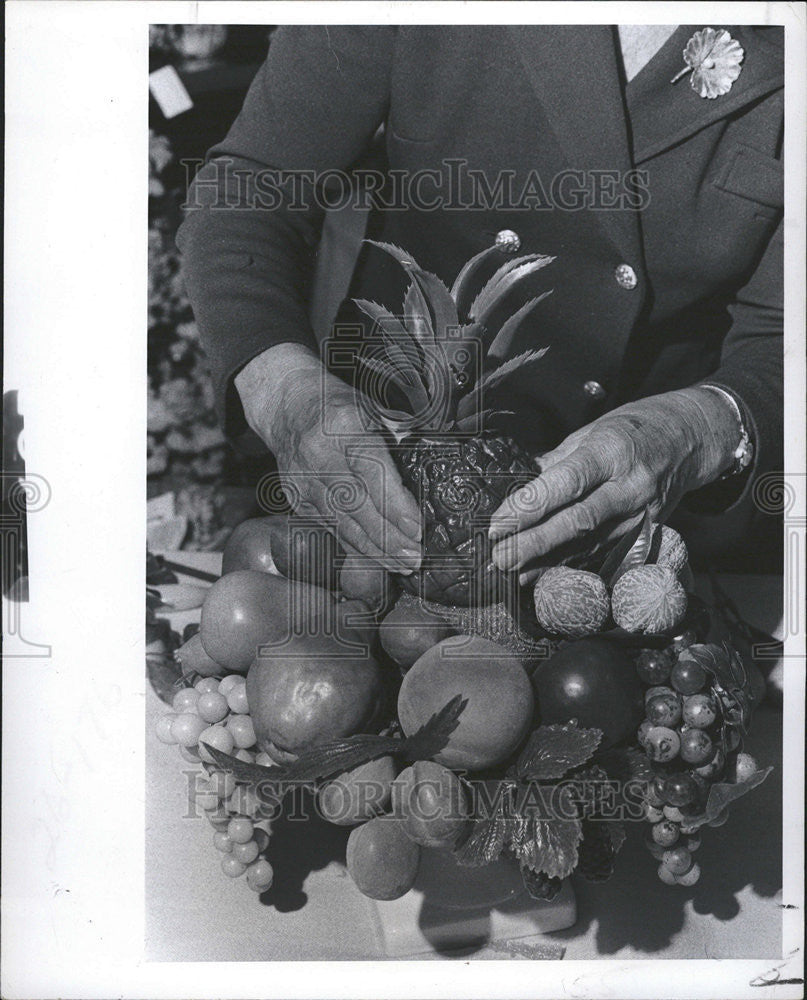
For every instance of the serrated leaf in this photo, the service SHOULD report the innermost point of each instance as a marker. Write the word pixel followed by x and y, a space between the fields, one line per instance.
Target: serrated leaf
pixel 638 552
pixel 489 832
pixel 484 844
pixel 501 343
pixel 416 315
pixel 551 751
pixel 521 362
pixel 722 794
pixel 433 735
pixel 551 846
pixel 487 293
pixel 438 298
pixel 395 337
pixel 503 282
pixel 461 289
pixel 619 551
pixel 336 756
pixel 624 764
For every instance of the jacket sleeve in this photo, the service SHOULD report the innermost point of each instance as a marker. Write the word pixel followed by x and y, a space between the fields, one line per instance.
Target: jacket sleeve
pixel 751 368
pixel 254 211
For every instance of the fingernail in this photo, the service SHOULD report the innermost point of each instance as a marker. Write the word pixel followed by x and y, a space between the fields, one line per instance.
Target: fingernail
pixel 504 557
pixel 411 528
pixel 523 579
pixel 410 558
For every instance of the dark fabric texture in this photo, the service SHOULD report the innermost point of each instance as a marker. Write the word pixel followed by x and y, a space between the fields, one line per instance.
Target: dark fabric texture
pixel 541 109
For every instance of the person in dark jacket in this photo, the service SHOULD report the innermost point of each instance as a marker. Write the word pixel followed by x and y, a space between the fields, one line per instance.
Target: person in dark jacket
pixel 660 201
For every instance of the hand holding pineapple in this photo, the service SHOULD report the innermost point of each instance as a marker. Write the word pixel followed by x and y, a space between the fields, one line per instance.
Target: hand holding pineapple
pixel 331 466
pixel 601 478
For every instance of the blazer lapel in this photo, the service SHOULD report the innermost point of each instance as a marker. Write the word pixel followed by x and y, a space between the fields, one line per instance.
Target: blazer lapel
pixel 574 73
pixel 663 114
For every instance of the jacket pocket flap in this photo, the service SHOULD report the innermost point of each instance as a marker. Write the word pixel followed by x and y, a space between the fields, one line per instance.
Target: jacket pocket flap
pixel 755 176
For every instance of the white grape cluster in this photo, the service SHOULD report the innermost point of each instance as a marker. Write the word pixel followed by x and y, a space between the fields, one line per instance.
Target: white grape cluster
pixel 215 712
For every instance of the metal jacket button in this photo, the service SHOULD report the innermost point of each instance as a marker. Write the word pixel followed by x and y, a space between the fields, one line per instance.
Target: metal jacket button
pixel 508 241
pixel 594 389
pixel 626 276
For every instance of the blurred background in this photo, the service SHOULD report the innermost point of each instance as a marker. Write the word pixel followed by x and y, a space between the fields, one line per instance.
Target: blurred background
pixel 198 486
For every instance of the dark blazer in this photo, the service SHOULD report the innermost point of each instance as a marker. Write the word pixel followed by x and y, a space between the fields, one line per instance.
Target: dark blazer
pixel 545 140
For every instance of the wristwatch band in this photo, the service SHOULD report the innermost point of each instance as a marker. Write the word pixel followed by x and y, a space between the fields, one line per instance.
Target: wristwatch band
pixel 744 452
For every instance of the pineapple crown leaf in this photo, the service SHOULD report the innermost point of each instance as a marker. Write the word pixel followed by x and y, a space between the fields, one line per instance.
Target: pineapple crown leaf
pixel 383 318
pixel 415 393
pixel 395 338
pixel 461 289
pixel 504 338
pixel 519 362
pixel 503 280
pixel 437 297
pixel 472 403
pixel 476 422
pixel 416 315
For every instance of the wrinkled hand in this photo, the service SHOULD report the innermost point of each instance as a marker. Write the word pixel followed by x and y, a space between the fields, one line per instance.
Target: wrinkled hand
pixel 598 482
pixel 330 465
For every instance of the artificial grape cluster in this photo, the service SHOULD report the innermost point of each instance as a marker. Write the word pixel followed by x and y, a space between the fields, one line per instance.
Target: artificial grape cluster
pixel 216 712
pixel 684 737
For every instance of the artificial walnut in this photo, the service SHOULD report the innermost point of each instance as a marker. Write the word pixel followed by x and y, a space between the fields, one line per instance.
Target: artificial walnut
pixel 648 599
pixel 672 550
pixel 571 602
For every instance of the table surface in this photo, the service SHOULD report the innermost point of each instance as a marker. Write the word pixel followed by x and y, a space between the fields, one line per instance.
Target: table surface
pixel 195 913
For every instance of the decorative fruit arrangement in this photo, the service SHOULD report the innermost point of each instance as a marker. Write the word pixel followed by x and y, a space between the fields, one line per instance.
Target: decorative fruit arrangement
pixel 463 715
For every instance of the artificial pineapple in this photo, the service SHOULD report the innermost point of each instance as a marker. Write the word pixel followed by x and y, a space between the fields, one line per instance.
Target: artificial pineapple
pixel 434 363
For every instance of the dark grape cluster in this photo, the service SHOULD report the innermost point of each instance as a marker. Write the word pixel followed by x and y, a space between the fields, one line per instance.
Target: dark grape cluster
pixel 685 738
pixel 596 853
pixel 540 885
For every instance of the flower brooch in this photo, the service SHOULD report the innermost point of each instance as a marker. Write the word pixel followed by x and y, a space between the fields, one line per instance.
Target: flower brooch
pixel 715 60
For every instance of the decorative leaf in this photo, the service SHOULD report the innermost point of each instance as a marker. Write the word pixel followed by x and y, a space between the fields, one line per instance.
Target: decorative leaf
pixel 336 756
pixel 485 843
pixel 551 751
pixel 731 683
pixel 722 794
pixel 164 675
pixel 715 59
pixel 433 735
pixel 551 846
pixel 461 289
pixel 157 572
pixel 638 552
pixel 625 764
pixel 504 338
